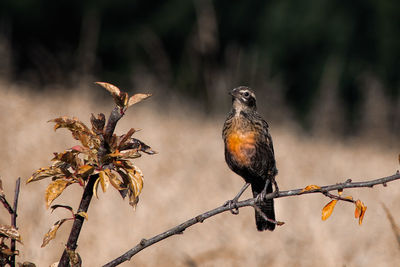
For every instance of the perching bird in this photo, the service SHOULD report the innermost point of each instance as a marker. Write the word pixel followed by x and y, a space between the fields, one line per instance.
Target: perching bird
pixel 249 152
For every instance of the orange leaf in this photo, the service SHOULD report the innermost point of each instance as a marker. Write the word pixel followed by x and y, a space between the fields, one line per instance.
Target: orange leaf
pixel 360 211
pixel 54 190
pixel 310 188
pixel 328 209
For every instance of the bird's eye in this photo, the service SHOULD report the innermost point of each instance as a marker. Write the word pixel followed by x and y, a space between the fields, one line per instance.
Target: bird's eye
pixel 246 94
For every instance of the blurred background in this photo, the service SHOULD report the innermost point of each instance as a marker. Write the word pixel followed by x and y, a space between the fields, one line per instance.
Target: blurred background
pixel 326 75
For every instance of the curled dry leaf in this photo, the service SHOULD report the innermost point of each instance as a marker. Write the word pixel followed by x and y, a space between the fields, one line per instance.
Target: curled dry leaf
pixel 51 234
pixel 328 209
pixel 10 232
pixel 136 98
pixel 79 131
pixel 53 207
pixel 310 188
pixel 359 211
pixel 55 189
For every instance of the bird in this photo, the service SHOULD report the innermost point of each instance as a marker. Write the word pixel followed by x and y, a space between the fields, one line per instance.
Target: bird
pixel 249 152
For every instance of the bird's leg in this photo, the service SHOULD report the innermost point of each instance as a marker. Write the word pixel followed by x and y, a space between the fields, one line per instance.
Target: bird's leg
pixel 232 203
pixel 260 197
pixel 275 185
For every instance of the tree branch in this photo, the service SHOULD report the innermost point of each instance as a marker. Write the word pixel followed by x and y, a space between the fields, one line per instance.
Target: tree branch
pixel 144 243
pixel 14 219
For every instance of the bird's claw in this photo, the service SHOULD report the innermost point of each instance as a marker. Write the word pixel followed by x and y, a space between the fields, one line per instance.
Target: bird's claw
pixel 232 205
pixel 260 197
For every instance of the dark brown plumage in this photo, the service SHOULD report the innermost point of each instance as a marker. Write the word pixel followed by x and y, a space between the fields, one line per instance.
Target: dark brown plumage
pixel 249 151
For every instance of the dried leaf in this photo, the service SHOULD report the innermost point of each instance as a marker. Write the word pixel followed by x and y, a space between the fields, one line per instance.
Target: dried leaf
pixel 359 211
pixel 130 154
pixel 136 177
pixel 51 234
pixel 53 207
pixel 55 189
pixel 311 187
pixel 83 214
pixel 79 131
pixel 69 156
pixel 111 88
pixel 114 181
pixel 98 123
pixel 104 180
pixel 126 137
pixel 328 209
pixel 136 98
pixel 96 184
pixel 43 173
pixel 85 170
pixel 10 232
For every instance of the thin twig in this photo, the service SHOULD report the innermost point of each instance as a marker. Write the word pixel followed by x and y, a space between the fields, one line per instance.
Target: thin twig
pixel 144 243
pixel 14 219
pixel 6 204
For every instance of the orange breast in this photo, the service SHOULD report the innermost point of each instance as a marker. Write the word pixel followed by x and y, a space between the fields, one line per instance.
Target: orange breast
pixel 241 147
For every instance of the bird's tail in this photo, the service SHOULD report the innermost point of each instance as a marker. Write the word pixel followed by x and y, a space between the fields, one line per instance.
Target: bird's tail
pixel 267 207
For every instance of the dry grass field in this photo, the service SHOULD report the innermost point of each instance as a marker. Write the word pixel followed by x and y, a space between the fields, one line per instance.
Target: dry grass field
pixel 189 176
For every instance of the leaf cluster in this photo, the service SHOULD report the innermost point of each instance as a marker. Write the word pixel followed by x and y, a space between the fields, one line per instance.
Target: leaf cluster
pixel 327 210
pixel 101 154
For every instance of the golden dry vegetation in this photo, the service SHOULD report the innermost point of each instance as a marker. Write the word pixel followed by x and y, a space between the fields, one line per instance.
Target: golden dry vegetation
pixel 189 176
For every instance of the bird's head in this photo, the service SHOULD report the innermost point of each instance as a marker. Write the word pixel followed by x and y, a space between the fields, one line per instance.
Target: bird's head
pixel 243 98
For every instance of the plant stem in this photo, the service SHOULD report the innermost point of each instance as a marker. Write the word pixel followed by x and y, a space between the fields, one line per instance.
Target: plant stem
pixel 78 222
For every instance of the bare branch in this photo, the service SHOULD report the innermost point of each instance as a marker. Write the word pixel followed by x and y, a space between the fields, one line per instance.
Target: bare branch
pixel 14 219
pixel 144 243
pixel 6 204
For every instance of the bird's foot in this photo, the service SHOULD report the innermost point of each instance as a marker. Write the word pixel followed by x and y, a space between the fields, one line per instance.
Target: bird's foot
pixel 260 197
pixel 232 205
